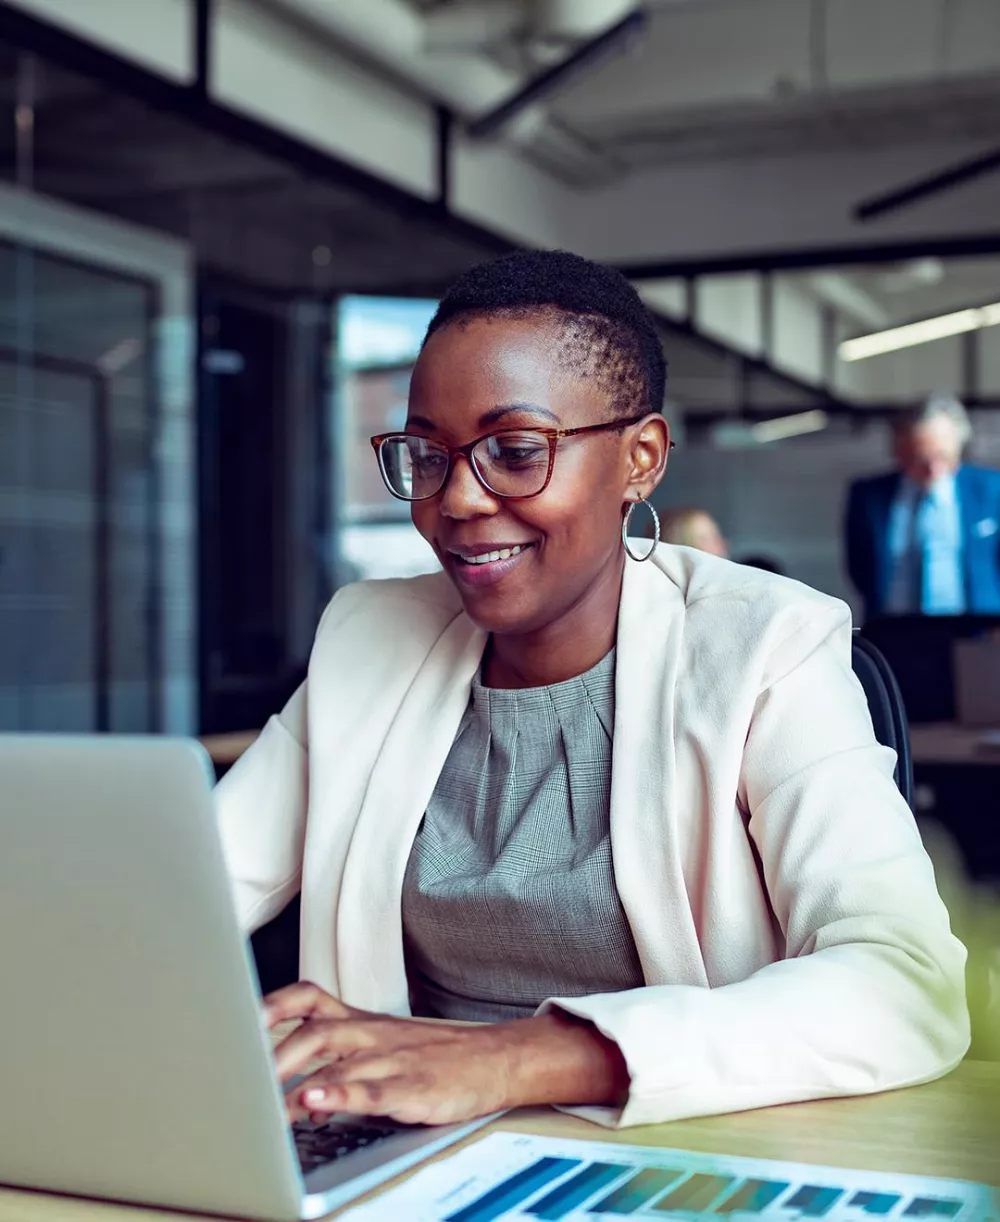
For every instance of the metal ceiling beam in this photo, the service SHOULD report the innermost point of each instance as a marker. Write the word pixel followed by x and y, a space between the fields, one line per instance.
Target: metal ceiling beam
pixel 924 188
pixel 619 36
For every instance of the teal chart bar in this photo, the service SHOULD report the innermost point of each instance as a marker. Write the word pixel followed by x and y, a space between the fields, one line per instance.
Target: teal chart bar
pixel 569 1195
pixel 515 1190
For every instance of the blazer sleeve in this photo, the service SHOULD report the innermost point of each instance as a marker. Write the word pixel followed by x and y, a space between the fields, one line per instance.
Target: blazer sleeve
pixel 871 992
pixel 261 808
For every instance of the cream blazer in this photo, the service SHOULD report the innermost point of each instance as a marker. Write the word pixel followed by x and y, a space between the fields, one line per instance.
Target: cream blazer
pixel 785 913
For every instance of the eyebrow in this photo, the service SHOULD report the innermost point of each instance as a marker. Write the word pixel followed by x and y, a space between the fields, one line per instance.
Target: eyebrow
pixel 493 416
pixel 507 409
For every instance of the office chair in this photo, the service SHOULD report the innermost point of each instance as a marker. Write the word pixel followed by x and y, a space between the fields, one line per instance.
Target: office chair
pixel 886 707
pixel 276 945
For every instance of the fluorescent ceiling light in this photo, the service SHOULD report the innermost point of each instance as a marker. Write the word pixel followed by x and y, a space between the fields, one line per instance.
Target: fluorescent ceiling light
pixel 789 426
pixel 740 435
pixel 923 332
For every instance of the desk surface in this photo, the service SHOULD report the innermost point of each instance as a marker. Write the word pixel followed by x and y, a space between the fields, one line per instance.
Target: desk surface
pixel 942 742
pixel 946 742
pixel 947 1128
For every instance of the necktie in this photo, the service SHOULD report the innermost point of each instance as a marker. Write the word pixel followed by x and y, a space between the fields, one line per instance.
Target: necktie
pixel 918 553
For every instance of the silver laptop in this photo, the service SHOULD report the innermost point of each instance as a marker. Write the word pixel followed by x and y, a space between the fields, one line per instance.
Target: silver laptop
pixel 134 1063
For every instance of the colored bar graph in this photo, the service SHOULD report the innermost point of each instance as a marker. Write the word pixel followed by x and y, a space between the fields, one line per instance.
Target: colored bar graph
pixel 637 1191
pixel 514 1190
pixel 573 1192
pixel 753 1196
pixel 874 1202
pixel 932 1207
pixel 696 1193
pixel 812 1201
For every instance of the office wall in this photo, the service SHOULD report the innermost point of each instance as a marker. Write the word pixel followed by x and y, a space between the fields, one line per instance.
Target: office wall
pixel 707 210
pixel 158 34
pixel 797 344
pixel 277 72
pixel 783 500
pixel 729 308
pixel 48 225
pixel 786 499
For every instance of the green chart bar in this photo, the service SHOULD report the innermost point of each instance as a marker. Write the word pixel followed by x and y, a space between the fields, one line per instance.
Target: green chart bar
pixel 753 1197
pixel 812 1201
pixel 636 1192
pixel 695 1193
pixel 573 1192
pixel 932 1207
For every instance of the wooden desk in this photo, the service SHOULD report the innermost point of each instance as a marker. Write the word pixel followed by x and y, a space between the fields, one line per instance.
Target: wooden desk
pixel 226 749
pixel 946 742
pixel 946 1128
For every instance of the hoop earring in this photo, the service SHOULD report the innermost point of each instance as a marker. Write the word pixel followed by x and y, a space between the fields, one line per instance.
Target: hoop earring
pixel 656 530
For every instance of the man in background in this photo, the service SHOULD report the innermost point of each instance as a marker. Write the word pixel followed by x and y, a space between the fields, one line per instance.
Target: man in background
pixel 926 538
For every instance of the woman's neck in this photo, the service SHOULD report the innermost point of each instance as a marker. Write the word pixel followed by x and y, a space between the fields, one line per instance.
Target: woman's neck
pixel 562 649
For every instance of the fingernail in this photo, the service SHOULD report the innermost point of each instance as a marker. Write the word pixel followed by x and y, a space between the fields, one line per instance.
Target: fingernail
pixel 314 1096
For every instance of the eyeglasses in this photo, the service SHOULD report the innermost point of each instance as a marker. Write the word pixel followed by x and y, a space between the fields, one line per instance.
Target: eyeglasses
pixel 514 464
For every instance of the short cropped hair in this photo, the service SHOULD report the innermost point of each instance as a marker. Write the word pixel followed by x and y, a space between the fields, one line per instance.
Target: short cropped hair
pixel 936 407
pixel 607 333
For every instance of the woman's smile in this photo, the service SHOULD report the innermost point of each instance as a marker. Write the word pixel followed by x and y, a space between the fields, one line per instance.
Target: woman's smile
pixel 485 565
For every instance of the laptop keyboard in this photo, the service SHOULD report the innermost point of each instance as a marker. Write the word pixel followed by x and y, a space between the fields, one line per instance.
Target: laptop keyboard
pixel 318 1144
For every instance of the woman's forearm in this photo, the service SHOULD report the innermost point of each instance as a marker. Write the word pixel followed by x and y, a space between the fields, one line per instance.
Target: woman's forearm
pixel 558 1059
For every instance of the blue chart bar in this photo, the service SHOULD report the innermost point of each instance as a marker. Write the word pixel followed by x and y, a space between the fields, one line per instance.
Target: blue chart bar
pixel 637 1191
pixel 515 1190
pixel 573 1192
pixel 753 1197
pixel 932 1207
pixel 812 1201
pixel 695 1193
pixel 874 1202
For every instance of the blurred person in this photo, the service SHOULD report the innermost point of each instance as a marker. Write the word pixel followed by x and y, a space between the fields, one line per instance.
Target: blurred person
pixel 534 790
pixel 924 538
pixel 693 527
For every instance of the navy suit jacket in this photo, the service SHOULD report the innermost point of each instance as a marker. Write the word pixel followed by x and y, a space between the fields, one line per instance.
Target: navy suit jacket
pixel 870 563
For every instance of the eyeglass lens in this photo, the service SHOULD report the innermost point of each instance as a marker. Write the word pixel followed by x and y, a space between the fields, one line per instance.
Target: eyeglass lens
pixel 514 463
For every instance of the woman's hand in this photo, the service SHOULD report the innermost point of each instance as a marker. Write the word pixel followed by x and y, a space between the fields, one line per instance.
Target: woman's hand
pixel 423 1072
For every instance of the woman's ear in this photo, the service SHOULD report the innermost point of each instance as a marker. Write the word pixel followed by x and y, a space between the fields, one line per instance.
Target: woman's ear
pixel 650 443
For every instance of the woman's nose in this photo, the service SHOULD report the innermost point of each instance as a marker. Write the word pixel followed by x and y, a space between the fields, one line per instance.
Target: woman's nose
pixel 463 495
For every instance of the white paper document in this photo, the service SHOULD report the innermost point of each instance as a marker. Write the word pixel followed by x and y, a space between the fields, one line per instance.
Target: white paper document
pixel 508 1176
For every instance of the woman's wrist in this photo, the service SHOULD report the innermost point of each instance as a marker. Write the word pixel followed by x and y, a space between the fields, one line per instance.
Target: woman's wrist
pixel 557 1058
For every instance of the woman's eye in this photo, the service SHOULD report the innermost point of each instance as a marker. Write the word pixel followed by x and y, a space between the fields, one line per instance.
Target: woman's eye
pixel 519 456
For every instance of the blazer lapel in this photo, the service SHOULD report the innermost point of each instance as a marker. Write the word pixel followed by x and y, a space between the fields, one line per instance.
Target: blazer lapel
pixel 881 511
pixel 647 828
pixel 369 938
pixel 970 508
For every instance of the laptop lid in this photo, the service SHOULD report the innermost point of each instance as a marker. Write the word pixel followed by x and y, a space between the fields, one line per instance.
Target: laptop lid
pixel 134 1063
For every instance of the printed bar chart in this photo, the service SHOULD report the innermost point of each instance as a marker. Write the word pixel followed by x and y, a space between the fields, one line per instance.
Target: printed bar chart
pixel 507 1177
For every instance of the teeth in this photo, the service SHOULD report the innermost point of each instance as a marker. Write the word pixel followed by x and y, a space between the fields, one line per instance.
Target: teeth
pixel 492 557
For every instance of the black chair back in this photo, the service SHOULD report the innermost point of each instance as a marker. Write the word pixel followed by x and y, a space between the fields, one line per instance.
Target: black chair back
pixel 886 707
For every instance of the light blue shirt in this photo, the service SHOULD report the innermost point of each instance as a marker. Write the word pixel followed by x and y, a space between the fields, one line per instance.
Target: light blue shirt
pixel 925 542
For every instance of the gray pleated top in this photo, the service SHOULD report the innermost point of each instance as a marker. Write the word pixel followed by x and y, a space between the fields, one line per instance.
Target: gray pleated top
pixel 509 895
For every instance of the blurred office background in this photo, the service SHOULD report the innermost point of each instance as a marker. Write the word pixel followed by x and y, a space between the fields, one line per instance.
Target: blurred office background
pixel 224 225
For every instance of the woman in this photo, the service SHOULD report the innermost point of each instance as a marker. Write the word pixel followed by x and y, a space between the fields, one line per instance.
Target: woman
pixel 630 814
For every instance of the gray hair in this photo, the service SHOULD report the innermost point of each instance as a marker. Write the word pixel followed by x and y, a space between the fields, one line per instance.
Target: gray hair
pixel 935 408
